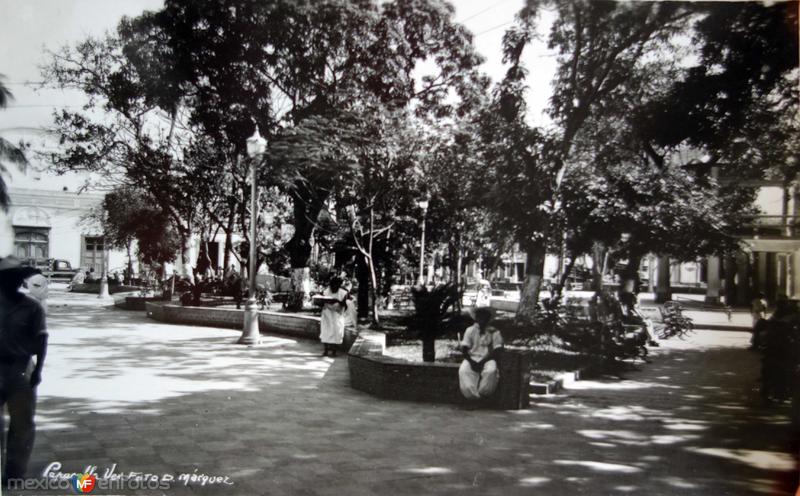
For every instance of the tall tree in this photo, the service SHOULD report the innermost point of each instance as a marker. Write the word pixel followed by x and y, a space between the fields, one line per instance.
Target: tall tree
pixel 455 180
pixel 599 45
pixel 121 135
pixel 8 151
pixel 308 59
pixel 607 52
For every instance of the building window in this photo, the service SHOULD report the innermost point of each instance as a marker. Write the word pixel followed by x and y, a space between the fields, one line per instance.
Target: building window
pixel 93 253
pixel 31 242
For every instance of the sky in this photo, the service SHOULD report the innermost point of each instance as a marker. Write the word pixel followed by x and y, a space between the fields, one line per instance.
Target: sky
pixel 29 28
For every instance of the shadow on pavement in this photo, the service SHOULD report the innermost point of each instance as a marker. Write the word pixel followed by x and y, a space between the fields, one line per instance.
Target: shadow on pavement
pixel 280 420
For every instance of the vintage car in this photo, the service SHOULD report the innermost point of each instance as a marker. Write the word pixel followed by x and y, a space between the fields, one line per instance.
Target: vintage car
pixel 52 268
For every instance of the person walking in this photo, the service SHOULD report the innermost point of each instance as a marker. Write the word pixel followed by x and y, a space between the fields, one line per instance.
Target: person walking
pixel 333 316
pixel 351 312
pixel 23 335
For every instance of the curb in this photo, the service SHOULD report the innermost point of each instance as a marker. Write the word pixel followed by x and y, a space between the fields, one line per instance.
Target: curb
pixel 721 327
pixel 551 387
pixel 565 379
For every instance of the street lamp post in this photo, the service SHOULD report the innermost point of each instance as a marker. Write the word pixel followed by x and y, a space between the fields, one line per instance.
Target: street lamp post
pixel 104 276
pixel 423 204
pixel 104 272
pixel 256 146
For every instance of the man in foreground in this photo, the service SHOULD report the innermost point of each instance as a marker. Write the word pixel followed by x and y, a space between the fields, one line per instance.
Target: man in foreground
pixel 23 334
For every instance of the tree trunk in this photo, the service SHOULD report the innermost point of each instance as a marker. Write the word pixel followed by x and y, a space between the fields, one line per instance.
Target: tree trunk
pixel 428 350
pixel 373 290
pixel 301 280
pixel 362 274
pixel 306 208
pixel 730 279
pixel 563 280
pixel 226 257
pixel 663 288
pixel 129 275
pixel 534 276
pixel 459 267
pixel 186 264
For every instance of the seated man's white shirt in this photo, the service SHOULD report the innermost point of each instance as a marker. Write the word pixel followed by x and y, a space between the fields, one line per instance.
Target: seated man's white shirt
pixel 481 344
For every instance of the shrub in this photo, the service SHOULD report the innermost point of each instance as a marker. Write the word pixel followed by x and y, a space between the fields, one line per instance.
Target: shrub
pixel 430 309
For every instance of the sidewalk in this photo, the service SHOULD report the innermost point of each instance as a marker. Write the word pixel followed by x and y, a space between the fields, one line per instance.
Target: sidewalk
pixel 58 296
pixel 278 419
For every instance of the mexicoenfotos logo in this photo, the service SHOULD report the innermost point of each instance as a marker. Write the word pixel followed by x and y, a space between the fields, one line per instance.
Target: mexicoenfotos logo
pixel 84 483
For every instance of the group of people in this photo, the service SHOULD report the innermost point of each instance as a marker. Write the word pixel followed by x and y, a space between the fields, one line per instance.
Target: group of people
pixel 23 337
pixel 478 375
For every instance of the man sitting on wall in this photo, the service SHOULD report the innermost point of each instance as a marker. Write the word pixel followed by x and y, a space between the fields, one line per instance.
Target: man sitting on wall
pixel 478 375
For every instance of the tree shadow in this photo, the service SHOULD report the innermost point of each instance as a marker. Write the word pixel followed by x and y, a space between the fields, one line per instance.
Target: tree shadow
pixel 279 419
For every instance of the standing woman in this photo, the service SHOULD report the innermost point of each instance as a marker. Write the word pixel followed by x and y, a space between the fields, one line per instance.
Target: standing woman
pixel 351 312
pixel 333 316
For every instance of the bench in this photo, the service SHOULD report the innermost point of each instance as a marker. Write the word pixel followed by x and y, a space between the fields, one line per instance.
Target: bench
pixel 617 338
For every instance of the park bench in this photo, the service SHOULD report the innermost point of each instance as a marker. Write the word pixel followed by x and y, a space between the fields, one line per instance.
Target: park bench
pixel 675 323
pixel 617 338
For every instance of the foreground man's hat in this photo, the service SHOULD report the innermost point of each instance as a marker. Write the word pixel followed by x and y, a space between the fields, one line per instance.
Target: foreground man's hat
pixel 12 265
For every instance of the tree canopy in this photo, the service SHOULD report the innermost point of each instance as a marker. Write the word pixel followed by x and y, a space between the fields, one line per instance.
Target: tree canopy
pixel 613 162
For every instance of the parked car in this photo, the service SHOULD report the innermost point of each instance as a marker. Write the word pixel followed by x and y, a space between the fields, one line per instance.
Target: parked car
pixel 477 293
pixel 506 289
pixel 52 268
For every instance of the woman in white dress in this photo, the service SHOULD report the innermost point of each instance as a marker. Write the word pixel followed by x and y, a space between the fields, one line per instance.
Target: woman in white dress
pixel 333 316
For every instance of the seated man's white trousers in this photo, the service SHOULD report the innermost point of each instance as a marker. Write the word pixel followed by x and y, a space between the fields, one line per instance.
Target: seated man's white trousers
pixel 476 385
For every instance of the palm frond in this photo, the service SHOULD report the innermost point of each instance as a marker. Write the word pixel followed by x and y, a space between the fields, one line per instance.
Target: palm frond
pixel 12 153
pixel 5 201
pixel 5 94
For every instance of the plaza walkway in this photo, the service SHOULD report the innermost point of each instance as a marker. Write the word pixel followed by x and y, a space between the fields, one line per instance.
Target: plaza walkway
pixel 277 419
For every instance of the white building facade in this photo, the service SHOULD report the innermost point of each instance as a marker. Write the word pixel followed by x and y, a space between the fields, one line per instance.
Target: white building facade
pixel 48 215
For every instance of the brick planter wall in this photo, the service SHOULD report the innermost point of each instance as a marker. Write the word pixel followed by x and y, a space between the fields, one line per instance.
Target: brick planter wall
pixel 504 305
pixel 135 302
pixel 94 288
pixel 295 325
pixel 392 378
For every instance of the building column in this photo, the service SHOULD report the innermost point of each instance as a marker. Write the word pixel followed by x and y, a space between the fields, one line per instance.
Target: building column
pixel 761 272
pixel 743 288
pixel 794 274
pixel 713 279
pixel 663 290
pixel 782 273
pixel 771 275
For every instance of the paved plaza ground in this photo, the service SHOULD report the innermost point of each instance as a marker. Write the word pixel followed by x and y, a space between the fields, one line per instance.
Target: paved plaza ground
pixel 278 419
